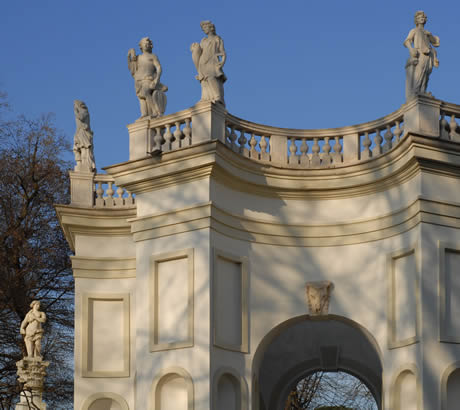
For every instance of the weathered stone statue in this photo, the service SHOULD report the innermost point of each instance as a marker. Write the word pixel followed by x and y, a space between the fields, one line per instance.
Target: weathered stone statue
pixel 422 56
pixel 32 369
pixel 31 329
pixel 209 57
pixel 83 139
pixel 146 70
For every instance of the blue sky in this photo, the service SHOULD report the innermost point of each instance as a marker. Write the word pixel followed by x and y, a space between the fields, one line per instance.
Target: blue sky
pixel 291 63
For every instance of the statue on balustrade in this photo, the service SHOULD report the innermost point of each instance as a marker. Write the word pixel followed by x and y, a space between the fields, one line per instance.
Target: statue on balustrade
pixel 31 329
pixel 422 57
pixel 83 139
pixel 209 57
pixel 146 70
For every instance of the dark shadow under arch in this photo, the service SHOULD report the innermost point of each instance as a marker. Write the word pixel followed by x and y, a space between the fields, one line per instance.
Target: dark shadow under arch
pixel 305 344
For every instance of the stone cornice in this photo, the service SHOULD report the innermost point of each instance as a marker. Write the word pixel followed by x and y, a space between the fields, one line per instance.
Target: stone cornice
pixel 413 154
pixel 263 231
pixel 93 221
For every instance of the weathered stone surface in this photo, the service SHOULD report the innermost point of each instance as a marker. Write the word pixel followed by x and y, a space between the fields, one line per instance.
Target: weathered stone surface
pixel 146 70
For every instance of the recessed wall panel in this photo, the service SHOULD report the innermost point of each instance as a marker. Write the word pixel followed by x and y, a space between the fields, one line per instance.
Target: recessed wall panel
pixel 105 335
pixel 171 300
pixel 230 304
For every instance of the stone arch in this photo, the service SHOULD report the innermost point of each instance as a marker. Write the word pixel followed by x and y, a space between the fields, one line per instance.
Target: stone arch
pixel 406 383
pixel 450 376
pixel 232 378
pixel 305 344
pixel 175 380
pixel 106 401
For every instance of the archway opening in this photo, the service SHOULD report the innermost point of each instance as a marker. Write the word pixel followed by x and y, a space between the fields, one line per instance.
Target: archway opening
pixel 307 344
pixel 330 390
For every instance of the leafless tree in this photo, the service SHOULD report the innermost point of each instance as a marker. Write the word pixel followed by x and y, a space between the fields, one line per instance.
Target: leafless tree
pixel 330 390
pixel 34 255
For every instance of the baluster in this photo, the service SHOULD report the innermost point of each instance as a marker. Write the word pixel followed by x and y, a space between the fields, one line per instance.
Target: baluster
pixel 377 150
pixel 304 160
pixel 169 138
pixel 264 155
pixel 367 153
pixel 242 140
pixel 129 200
pixel 227 136
pixel 326 160
pixel 157 141
pixel 252 143
pixel 178 135
pixel 315 158
pixel 293 157
pixel 187 133
pixel 388 137
pixel 336 151
pixel 454 136
pixel 397 133
pixel 119 197
pixel 444 127
pixel 109 201
pixel 99 194
pixel 233 137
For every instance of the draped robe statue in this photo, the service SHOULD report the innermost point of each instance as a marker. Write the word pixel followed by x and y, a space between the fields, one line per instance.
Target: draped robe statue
pixel 83 139
pixel 422 57
pixel 209 57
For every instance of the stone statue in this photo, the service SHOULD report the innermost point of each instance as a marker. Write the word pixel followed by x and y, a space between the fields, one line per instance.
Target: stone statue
pixel 209 57
pixel 422 56
pixel 146 70
pixel 31 328
pixel 83 139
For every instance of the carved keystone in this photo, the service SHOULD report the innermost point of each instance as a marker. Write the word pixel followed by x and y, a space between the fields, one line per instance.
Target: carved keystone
pixel 318 296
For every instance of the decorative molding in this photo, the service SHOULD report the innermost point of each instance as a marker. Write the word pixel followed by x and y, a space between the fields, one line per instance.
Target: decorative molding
pixel 318 295
pixel 243 261
pixel 243 392
pixel 161 377
pixel 103 268
pixel 106 395
pixel 76 220
pixel 87 298
pixel 393 341
pixel 265 231
pixel 444 334
pixel 155 260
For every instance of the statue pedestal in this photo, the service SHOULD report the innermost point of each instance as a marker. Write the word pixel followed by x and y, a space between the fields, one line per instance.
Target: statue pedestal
pixel 31 373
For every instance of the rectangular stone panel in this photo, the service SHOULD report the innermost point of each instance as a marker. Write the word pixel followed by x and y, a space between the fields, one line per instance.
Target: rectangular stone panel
pixel 449 288
pixel 105 335
pixel 230 289
pixel 403 299
pixel 171 301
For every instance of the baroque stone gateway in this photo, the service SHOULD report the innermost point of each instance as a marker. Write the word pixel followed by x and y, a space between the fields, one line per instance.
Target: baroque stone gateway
pixel 192 257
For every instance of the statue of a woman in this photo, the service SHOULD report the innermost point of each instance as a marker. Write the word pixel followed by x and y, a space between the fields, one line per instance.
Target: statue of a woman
pixel 422 56
pixel 209 57
pixel 83 139
pixel 31 328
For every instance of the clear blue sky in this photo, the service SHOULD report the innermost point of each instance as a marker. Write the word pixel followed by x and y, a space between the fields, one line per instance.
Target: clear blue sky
pixel 291 63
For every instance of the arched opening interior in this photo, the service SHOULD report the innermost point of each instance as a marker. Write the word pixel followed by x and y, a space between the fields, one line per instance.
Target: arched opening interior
pixel 330 389
pixel 307 344
pixel 453 390
pixel 228 392
pixel 172 393
pixel 105 404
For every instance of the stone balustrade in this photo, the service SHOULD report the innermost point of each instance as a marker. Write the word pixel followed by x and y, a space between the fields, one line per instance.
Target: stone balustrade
pixel 322 148
pixel 449 126
pixel 107 195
